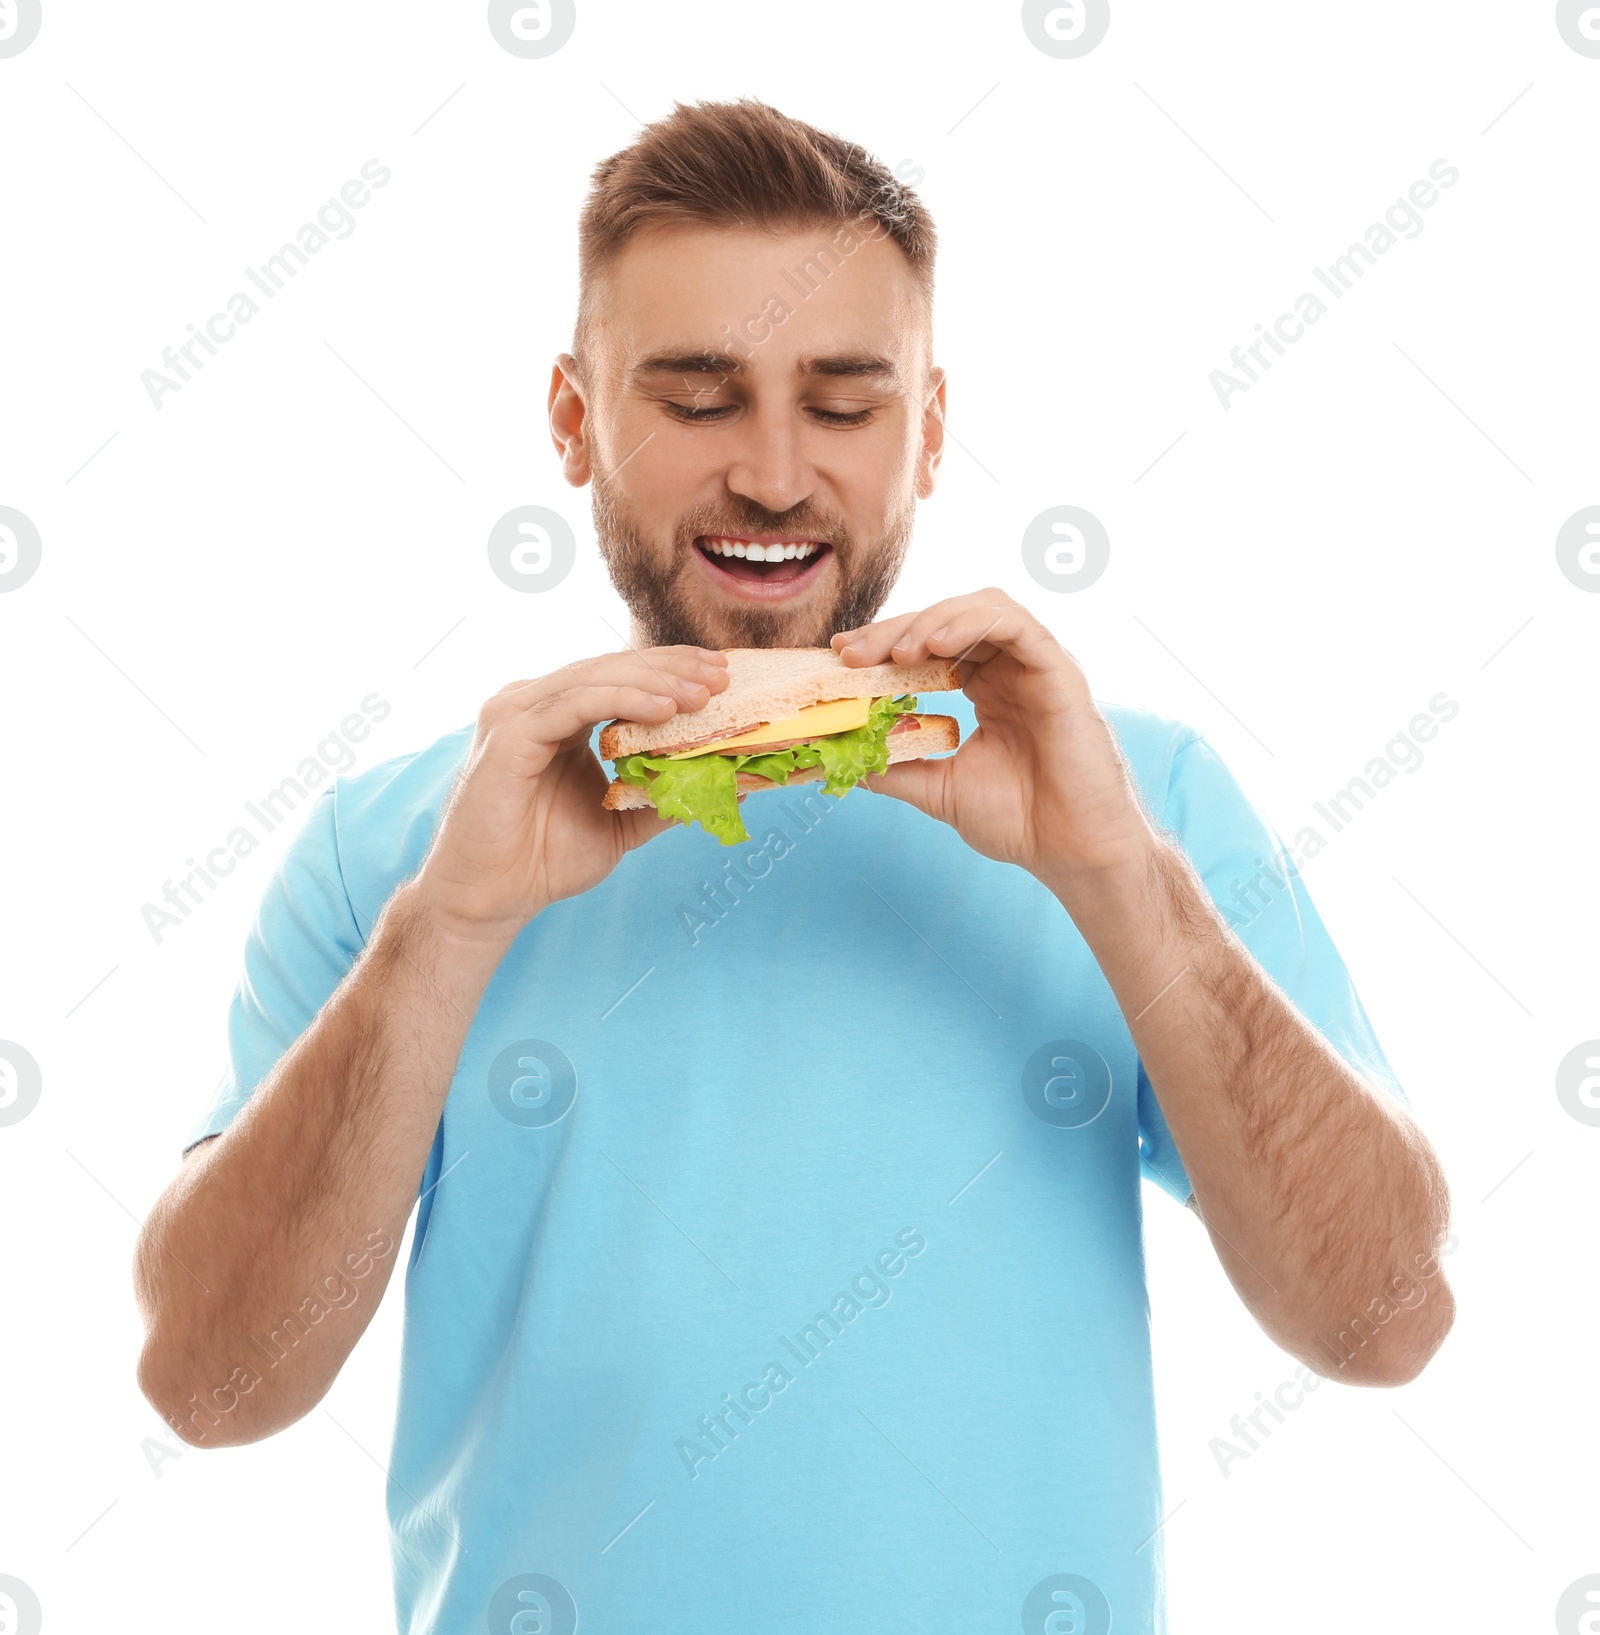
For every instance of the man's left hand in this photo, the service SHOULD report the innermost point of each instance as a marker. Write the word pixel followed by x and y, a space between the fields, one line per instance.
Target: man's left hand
pixel 1041 783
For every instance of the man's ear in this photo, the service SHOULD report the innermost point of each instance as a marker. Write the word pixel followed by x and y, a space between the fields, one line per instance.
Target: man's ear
pixel 569 420
pixel 932 449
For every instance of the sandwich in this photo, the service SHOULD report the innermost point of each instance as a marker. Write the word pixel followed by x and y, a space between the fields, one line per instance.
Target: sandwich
pixel 788 715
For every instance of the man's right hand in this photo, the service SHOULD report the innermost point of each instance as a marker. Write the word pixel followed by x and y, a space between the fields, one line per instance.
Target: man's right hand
pixel 332 1144
pixel 525 827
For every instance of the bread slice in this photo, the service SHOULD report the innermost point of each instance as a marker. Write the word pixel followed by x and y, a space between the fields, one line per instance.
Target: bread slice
pixel 770 684
pixel 934 735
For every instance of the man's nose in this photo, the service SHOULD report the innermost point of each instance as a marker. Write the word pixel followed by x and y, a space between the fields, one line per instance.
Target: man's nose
pixel 770 465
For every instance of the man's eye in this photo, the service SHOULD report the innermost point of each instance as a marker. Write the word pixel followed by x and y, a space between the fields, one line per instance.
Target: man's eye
pixel 697 413
pixel 836 417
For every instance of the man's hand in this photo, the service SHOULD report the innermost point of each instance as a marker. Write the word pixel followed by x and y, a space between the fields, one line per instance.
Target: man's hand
pixel 1041 783
pixel 525 827
pixel 1321 1195
pixel 327 1156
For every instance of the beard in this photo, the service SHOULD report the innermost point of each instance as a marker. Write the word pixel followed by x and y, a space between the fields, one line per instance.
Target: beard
pixel 670 605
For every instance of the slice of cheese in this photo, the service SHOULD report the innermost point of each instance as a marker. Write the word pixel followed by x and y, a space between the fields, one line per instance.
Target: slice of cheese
pixel 816 721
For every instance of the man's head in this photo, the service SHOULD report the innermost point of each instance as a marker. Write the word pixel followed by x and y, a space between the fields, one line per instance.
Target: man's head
pixel 751 371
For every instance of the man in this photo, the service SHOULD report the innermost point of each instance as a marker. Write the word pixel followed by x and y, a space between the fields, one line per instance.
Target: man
pixel 778 1263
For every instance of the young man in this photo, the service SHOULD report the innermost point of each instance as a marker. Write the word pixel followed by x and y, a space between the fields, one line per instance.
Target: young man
pixel 778 1263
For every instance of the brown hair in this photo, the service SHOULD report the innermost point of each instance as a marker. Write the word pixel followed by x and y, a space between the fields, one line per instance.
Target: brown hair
pixel 738 164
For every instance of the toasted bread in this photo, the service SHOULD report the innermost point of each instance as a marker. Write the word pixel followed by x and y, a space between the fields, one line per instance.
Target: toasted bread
pixel 771 684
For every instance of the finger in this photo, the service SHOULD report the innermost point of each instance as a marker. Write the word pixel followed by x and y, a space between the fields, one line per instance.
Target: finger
pixel 558 717
pixel 870 643
pixel 653 667
pixel 903 638
pixel 677 673
pixel 922 784
pixel 977 633
pixel 640 824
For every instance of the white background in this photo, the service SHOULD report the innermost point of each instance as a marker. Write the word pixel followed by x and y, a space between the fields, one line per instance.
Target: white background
pixel 1297 576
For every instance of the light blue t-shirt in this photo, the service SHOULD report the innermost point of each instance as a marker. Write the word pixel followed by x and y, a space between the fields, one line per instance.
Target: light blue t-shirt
pixel 779 1262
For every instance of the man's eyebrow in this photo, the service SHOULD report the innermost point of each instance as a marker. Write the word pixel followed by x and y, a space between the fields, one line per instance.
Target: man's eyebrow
pixel 842 366
pixel 686 363
pixel 853 365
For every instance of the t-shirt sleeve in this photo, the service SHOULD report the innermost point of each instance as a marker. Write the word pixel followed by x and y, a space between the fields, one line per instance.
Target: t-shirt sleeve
pixel 1258 889
pixel 303 940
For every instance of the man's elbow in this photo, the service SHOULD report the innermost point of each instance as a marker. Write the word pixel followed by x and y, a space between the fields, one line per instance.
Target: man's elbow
pixel 1398 1351
pixel 226 1416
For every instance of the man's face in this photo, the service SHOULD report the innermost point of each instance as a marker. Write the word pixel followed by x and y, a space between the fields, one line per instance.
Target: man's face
pixel 755 470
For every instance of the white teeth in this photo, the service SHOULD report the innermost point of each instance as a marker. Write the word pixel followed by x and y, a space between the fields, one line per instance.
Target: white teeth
pixel 760 553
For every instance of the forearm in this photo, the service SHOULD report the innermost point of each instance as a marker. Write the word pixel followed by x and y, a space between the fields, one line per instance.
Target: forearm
pixel 263 1263
pixel 1324 1200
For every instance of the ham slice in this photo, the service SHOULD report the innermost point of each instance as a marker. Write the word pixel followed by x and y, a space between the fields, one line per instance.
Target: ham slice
pixel 904 723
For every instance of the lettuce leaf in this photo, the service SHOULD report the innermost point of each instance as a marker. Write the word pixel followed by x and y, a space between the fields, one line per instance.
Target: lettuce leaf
pixel 847 757
pixel 779 763
pixel 705 789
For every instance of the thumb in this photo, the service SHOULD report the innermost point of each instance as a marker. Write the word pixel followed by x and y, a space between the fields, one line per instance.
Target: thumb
pixel 918 783
pixel 640 824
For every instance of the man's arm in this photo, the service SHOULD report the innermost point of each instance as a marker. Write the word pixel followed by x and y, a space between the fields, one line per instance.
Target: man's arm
pixel 1324 1201
pixel 279 1218
pixel 1323 1198
pixel 307 1193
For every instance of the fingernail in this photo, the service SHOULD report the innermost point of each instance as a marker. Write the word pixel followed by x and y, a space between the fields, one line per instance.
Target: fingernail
pixel 940 634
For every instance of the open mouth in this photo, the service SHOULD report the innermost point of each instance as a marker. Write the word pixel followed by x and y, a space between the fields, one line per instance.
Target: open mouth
pixel 762 566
